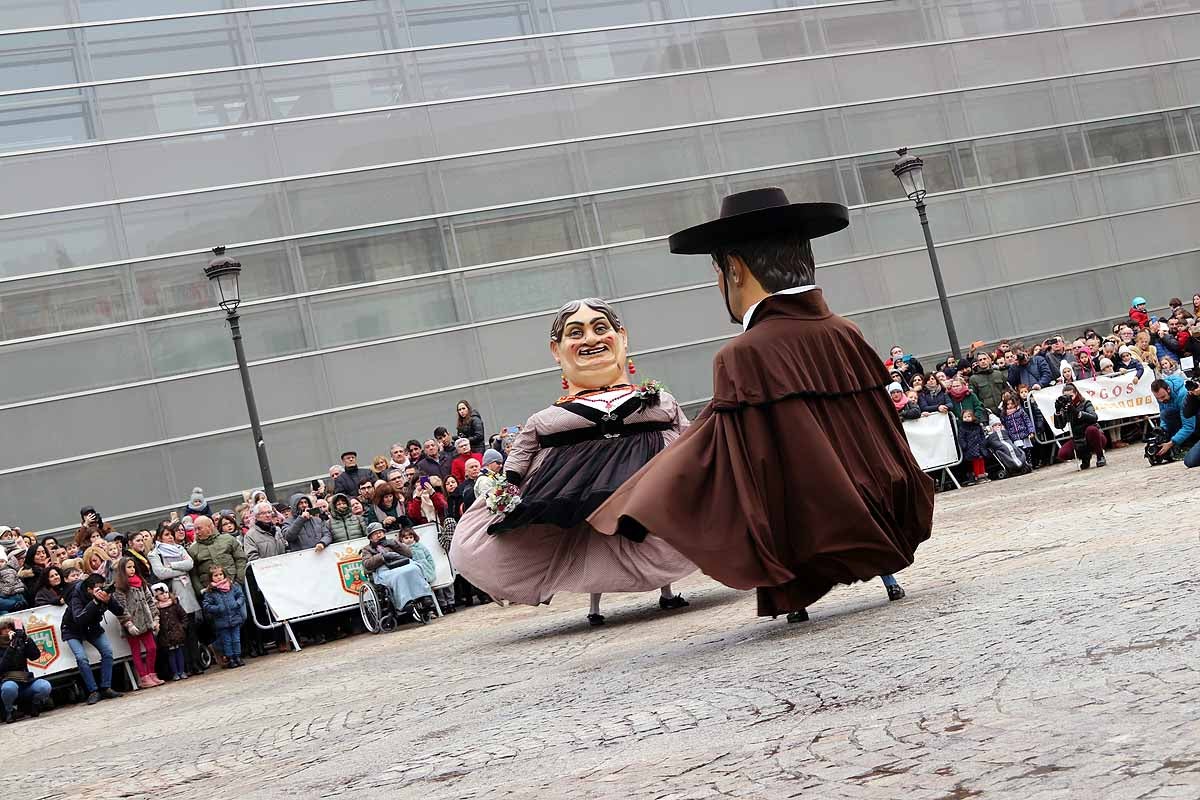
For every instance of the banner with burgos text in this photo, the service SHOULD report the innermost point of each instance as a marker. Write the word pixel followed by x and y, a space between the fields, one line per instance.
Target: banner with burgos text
pixel 306 582
pixel 1114 397
pixel 933 441
pixel 44 626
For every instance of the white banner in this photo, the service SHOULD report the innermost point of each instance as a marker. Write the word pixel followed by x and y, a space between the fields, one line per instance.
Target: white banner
pixel 932 441
pixel 307 582
pixel 44 626
pixel 1114 396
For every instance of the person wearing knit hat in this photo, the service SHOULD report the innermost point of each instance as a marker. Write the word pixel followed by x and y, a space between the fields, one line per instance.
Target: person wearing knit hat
pixel 492 458
pixel 197 506
pixel 1106 366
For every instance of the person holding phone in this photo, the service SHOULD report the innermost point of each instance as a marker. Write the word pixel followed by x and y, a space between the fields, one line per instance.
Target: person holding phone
pixel 17 683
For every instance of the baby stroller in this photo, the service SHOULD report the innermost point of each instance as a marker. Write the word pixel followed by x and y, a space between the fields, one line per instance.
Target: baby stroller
pixel 1011 460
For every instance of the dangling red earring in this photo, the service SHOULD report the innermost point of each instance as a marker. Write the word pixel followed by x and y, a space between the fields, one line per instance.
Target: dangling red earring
pixel 564 381
pixel 632 368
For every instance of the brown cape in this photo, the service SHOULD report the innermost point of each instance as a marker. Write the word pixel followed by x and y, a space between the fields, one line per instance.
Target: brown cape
pixel 797 476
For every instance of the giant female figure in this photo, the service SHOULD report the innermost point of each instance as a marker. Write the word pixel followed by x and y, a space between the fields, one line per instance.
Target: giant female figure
pixel 567 460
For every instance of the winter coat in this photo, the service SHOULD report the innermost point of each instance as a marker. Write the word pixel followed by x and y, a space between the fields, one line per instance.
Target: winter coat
pixel 458 467
pixel 424 559
pixel 372 555
pixel 416 512
pixel 225 609
pixel 471 429
pixel 1142 318
pixel 989 386
pixel 968 403
pixel 219 550
pixel 973 440
pixel 305 534
pixel 454 504
pixel 1055 361
pixel 430 467
pixel 346 526
pixel 173 622
pixel 346 483
pixel 1078 417
pixel 16 649
pixel 1171 416
pixel 910 411
pixel 930 401
pixel 10 584
pixel 261 544
pixel 1035 372
pixel 177 575
pixel 84 614
pixel 48 596
pixel 140 609
pixel 1018 424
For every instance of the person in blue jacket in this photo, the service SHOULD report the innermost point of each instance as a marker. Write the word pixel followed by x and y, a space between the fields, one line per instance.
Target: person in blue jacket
pixel 225 606
pixel 1177 408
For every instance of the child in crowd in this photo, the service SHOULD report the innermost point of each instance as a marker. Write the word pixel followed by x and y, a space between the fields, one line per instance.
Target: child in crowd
pixel 172 631
pixel 225 607
pixel 1018 424
pixel 73 575
pixel 424 559
pixel 140 621
pixel 973 439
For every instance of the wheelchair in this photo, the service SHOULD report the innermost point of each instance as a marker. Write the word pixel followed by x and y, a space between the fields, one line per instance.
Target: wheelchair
pixel 379 613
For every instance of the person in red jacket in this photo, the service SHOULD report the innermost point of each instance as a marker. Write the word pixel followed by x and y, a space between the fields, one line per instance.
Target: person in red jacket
pixel 463 454
pixel 1138 313
pixel 428 503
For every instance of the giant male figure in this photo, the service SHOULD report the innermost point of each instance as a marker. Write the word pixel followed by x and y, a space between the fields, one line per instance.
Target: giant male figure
pixel 797 476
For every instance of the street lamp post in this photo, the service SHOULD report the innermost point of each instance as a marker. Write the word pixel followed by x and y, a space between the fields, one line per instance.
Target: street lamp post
pixel 223 271
pixel 910 171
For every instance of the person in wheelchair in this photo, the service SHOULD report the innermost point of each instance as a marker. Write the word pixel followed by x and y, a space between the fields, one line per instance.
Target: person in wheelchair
pixel 390 564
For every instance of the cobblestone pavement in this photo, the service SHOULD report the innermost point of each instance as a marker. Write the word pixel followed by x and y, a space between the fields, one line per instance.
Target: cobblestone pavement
pixel 1048 648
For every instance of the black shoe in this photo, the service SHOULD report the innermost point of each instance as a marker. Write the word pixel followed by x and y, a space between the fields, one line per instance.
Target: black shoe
pixel 93 698
pixel 895 592
pixel 419 614
pixel 1085 463
pixel 595 620
pixel 110 694
pixel 798 616
pixel 1101 461
pixel 668 603
pixel 35 708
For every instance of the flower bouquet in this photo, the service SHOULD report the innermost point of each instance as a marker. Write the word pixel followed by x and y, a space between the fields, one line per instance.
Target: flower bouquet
pixel 651 391
pixel 503 497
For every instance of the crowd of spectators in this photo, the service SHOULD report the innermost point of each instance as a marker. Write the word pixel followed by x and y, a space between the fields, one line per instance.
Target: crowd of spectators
pixel 182 594
pixel 988 391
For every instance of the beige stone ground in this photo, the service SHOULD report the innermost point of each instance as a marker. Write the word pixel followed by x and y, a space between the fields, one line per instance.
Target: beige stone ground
pixel 1048 648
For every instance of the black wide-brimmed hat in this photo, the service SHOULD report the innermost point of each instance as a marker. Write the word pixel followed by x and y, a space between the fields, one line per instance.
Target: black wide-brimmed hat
pixel 756 214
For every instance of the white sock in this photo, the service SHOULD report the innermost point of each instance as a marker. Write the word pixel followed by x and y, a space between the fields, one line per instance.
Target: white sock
pixel 595 606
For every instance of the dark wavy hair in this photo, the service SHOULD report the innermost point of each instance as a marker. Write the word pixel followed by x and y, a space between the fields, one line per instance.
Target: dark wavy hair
pixel 778 263
pixel 564 313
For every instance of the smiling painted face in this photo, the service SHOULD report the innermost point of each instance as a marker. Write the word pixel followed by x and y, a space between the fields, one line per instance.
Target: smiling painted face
pixel 592 351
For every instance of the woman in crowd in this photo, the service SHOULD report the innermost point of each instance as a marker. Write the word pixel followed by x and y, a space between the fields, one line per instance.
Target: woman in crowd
pixel 390 563
pixel 380 468
pixel 568 459
pixel 140 621
pixel 389 508
pixel 428 504
pixel 1167 365
pixel 470 426
pixel 1145 352
pixel 17 683
pixel 171 564
pixel 37 560
pixel 140 545
pixel 51 588
pixel 1072 410
pixel 454 498
pixel 96 562
pixel 932 397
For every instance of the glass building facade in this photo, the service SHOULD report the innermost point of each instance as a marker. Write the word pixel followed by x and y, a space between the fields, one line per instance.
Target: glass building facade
pixel 414 186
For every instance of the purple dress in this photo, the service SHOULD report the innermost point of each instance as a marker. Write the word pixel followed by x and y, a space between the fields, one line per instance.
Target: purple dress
pixel 569 458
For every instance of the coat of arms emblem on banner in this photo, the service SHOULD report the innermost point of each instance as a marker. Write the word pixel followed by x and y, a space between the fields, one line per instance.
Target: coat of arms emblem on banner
pixel 43 632
pixel 350 570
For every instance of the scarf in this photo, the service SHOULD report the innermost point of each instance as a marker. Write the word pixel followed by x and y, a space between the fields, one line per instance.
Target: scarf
pixel 266 526
pixel 171 552
pixel 959 393
pixel 135 554
pixel 170 601
pixel 221 585
pixel 135 581
pixel 900 402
